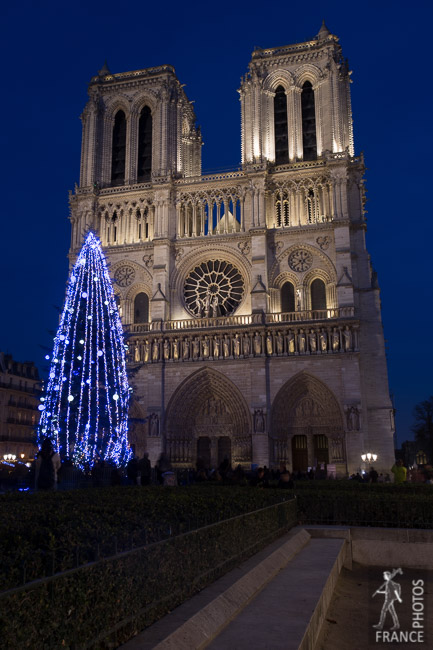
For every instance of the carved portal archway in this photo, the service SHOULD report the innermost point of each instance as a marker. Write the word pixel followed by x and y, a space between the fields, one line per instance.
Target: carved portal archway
pixel 203 412
pixel 307 424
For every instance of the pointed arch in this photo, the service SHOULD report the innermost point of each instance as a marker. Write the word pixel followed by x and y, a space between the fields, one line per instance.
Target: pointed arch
pixel 207 406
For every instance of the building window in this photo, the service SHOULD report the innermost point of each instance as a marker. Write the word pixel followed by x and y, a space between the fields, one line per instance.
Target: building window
pixel 308 122
pixel 118 156
pixel 313 206
pixel 141 308
pixel 280 126
pixel 144 165
pixel 282 209
pixel 287 297
pixel 318 294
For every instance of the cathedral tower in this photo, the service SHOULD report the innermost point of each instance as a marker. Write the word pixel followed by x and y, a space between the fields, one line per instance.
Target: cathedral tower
pixel 253 310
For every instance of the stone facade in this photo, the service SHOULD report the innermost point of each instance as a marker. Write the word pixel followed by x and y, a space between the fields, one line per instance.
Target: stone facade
pixel 252 307
pixel 19 400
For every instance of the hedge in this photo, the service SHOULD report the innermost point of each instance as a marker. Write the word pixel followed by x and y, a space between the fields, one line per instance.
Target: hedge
pixel 365 508
pixel 105 603
pixel 49 532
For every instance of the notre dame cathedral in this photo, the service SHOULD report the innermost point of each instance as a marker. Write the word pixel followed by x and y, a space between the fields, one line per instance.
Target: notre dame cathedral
pixel 251 305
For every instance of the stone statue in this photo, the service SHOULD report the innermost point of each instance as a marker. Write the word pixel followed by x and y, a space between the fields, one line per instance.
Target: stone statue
pixel 298 299
pixel 155 350
pixel 323 341
pixel 353 419
pixel 347 338
pixel 259 421
pixel 236 346
pixel 137 352
pixel 146 351
pixel 279 343
pixel 154 425
pixel 205 347
pixel 226 347
pixel 214 305
pixel 337 453
pixel 195 348
pixel 206 301
pixel 301 342
pixel 166 349
pixel 176 349
pixel 246 345
pixel 290 342
pixel 335 340
pixel 257 343
pixel 269 346
pixel 312 339
pixel 216 347
pixel 185 349
pixel 199 306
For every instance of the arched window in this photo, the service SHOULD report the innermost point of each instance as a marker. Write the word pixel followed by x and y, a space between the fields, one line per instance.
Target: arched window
pixel 144 164
pixel 118 155
pixel 282 209
pixel 308 122
pixel 318 294
pixel 280 125
pixel 141 308
pixel 287 297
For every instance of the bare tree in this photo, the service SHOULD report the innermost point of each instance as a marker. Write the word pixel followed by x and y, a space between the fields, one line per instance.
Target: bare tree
pixel 423 427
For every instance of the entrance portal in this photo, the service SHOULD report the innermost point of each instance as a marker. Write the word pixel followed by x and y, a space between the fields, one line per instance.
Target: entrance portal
pixel 203 452
pixel 299 454
pixel 224 449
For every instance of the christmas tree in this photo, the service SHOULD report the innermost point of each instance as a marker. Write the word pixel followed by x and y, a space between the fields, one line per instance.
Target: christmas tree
pixel 84 408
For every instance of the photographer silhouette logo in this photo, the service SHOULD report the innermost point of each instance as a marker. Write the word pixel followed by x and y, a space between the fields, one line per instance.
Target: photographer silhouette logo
pixel 392 593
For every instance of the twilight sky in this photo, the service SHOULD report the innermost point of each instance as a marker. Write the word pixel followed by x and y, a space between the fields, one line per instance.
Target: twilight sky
pixel 51 49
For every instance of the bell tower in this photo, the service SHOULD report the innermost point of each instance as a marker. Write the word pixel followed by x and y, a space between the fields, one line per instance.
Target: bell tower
pixel 295 103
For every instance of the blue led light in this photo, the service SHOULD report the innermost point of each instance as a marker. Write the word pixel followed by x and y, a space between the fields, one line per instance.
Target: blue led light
pixel 87 393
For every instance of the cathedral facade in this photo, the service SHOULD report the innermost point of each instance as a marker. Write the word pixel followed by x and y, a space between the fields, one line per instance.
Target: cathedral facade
pixel 251 305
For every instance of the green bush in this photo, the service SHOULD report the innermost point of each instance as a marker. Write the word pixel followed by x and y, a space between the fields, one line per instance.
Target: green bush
pixel 105 603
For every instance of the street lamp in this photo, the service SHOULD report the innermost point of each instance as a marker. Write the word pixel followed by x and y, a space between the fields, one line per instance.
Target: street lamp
pixel 369 457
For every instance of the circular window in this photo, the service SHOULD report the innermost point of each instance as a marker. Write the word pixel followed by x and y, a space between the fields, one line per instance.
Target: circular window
pixel 213 288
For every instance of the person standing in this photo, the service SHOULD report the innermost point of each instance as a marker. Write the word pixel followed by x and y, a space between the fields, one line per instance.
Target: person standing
pixel 400 472
pixel 48 464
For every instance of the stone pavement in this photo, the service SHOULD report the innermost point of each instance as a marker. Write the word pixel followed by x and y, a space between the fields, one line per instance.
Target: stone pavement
pixel 276 600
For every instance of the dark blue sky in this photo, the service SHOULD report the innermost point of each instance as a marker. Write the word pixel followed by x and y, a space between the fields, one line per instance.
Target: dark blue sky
pixel 51 49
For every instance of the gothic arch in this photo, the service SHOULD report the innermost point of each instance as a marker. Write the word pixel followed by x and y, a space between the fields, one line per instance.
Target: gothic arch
pixel 278 78
pixel 207 404
pixel 308 72
pixel 118 103
pixel 322 264
pixel 306 408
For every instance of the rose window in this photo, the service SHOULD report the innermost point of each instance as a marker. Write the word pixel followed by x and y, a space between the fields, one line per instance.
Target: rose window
pixel 213 288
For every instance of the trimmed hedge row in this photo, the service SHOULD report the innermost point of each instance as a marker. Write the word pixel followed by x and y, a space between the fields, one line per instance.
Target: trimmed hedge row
pixel 49 532
pixel 345 485
pixel 106 603
pixel 365 508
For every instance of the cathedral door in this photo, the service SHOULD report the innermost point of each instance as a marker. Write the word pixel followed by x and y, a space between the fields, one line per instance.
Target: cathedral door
pixel 224 449
pixel 321 453
pixel 299 453
pixel 203 451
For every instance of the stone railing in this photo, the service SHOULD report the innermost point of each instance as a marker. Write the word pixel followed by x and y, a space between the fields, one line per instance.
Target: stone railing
pixel 241 343
pixel 236 321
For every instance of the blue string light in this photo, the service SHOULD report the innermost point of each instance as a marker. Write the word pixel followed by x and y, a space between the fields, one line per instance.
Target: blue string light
pixel 84 409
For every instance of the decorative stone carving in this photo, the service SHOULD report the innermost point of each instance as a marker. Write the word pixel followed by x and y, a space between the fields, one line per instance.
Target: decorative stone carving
pixel 300 260
pixel 195 348
pixel 290 337
pixel 153 425
pixel 205 347
pixel 312 339
pixel 324 242
pixel 301 342
pixel 124 275
pixel 337 450
pixel 216 347
pixel 178 253
pixel 347 339
pixel 335 338
pixel 176 349
pixel 244 247
pixel 185 349
pixel 269 344
pixel 236 346
pixel 155 350
pixel 259 421
pixel 257 344
pixel 276 247
pixel 148 261
pixel 166 349
pixel 279 343
pixel 353 420
pixel 213 288
pixel 146 351
pixel 323 341
pixel 246 345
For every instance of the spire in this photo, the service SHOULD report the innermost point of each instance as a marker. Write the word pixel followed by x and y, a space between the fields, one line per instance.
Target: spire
pixel 323 32
pixel 105 69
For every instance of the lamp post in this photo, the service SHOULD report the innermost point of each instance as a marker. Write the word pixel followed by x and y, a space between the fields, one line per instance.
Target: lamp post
pixel 369 457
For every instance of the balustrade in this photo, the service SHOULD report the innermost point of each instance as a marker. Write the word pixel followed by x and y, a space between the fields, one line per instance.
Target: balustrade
pixel 246 343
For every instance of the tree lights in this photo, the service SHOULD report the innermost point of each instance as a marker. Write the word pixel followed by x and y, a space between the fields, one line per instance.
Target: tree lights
pixel 84 409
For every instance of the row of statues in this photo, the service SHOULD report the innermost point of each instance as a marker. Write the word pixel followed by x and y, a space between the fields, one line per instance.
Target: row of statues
pixel 226 346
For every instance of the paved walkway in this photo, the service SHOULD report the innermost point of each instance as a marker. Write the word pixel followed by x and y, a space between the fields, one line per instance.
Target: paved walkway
pixel 276 600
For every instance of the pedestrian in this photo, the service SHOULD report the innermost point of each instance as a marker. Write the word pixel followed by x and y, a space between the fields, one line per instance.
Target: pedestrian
pixel 400 472
pixel 48 464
